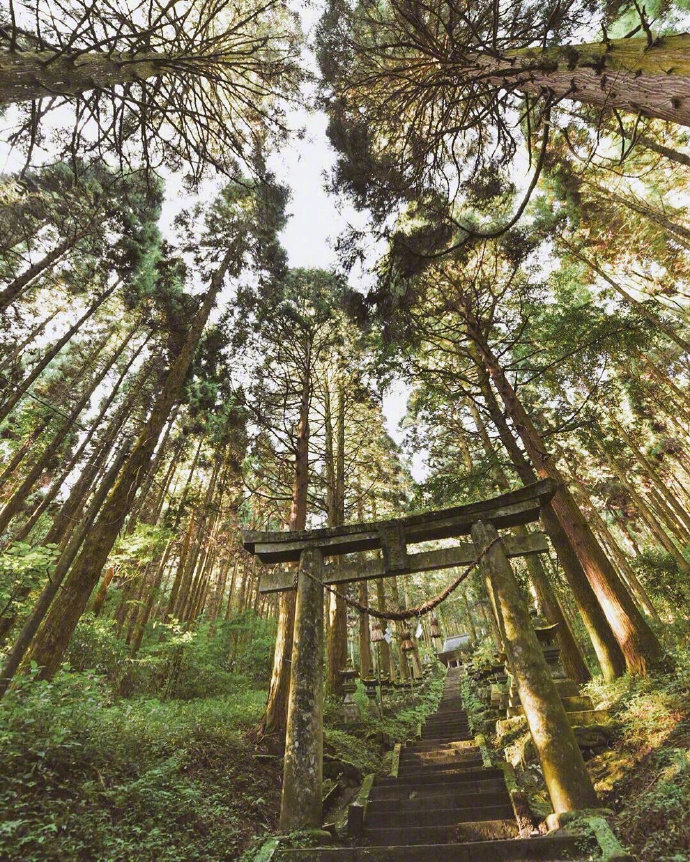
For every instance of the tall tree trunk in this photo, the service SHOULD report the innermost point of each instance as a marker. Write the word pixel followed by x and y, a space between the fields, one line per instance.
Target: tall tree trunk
pixel 29 75
pixel 15 503
pixel 184 550
pixel 336 617
pixel 624 566
pixel 275 715
pixel 133 519
pixel 675 507
pixel 20 453
pixel 70 510
pixel 43 603
pixel 636 137
pixel 637 641
pixel 573 660
pixel 57 484
pixel 102 593
pixel 14 289
pixel 640 307
pixel 399 627
pixel 644 511
pixel 609 654
pixel 627 74
pixel 385 664
pixel 35 333
pixel 56 632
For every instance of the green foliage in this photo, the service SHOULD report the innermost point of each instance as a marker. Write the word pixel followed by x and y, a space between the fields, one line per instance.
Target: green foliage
pixel 84 777
pixel 23 567
pixel 367 743
pixel 180 663
pixel 140 547
pixel 96 647
pixel 659 572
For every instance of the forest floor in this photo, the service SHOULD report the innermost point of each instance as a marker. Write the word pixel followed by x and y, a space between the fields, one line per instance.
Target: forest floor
pixel 87 775
pixel 644 776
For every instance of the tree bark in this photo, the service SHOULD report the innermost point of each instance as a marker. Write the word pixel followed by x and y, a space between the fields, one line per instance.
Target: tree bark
pixel 627 74
pixel 43 603
pixel 29 75
pixel 18 498
pixel 336 631
pixel 70 510
pixel 565 773
pixel 606 648
pixel 275 714
pixel 385 664
pixel 64 614
pixel 571 655
pixel 57 484
pixel 637 641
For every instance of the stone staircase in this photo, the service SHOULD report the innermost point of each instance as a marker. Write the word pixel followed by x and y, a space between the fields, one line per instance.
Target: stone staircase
pixel 443 804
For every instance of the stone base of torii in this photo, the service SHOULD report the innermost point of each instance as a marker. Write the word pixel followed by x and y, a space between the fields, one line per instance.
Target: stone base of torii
pixel 565 774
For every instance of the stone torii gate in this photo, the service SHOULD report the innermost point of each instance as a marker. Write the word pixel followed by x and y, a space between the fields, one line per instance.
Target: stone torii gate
pixel 566 777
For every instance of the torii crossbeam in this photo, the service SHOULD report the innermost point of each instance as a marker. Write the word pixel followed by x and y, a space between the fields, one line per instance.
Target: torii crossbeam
pixel 564 770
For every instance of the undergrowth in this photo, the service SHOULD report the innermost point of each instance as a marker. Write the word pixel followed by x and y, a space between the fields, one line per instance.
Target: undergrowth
pixel 645 775
pixel 86 777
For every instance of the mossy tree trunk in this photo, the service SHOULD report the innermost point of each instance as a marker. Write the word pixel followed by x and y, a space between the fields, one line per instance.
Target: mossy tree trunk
pixel 275 714
pixel 609 654
pixel 626 74
pixel 571 654
pixel 29 75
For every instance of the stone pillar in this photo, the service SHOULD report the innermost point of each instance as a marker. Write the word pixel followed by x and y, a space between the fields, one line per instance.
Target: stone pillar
pixel 301 803
pixel 565 773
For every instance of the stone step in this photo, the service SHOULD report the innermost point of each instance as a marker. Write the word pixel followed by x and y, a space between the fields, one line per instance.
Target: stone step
pixel 434 745
pixel 433 776
pixel 454 748
pixel 446 816
pixel 438 756
pixel 449 727
pixel 443 738
pixel 402 792
pixel 476 830
pixel 431 801
pixel 543 849
pixel 444 730
pixel 411 772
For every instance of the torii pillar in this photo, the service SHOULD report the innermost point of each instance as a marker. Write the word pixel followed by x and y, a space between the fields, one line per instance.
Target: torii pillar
pixel 565 773
pixel 301 803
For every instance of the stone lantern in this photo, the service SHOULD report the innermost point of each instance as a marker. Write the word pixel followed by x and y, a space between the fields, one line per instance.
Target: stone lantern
pixel 546 635
pixel 348 675
pixel 370 686
pixel 435 628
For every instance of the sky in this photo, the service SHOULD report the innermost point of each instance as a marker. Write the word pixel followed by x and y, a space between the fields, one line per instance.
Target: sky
pixel 316 220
